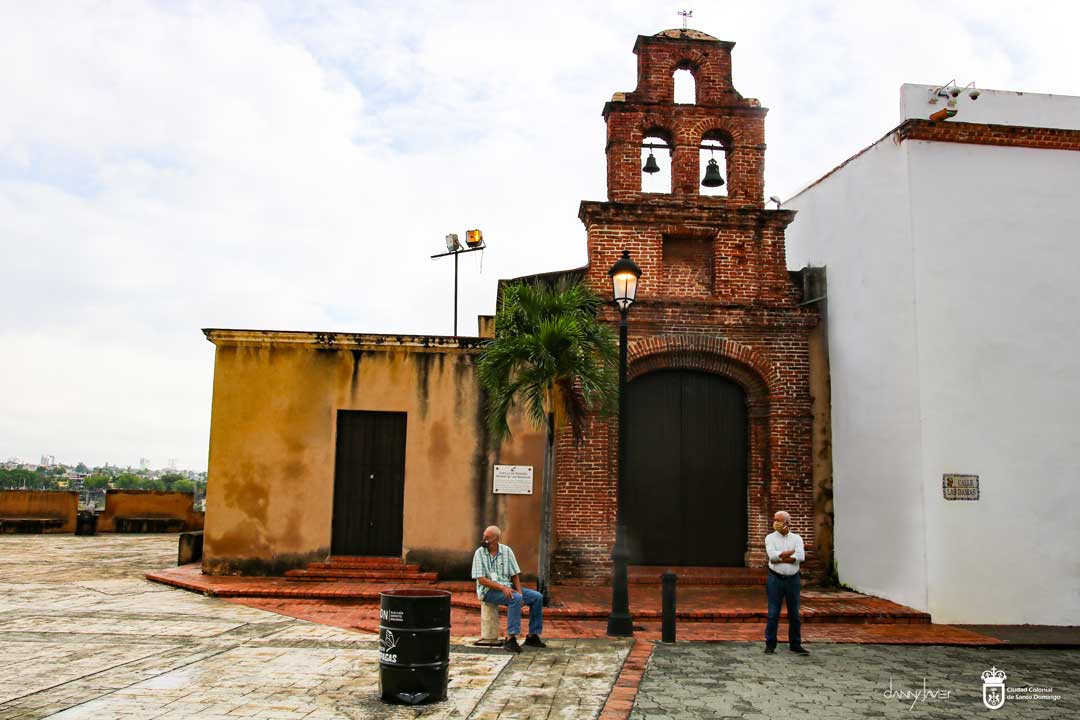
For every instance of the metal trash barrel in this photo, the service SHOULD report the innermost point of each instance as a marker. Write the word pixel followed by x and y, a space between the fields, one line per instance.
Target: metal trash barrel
pixel 414 645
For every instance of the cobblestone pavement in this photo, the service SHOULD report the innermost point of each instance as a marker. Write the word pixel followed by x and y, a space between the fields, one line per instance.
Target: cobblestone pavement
pixel 83 635
pixel 737 680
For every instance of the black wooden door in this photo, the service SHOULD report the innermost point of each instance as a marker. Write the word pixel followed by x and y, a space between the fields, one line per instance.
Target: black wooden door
pixel 369 483
pixel 685 500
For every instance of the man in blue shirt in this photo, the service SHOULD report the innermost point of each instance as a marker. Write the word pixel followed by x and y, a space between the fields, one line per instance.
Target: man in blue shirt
pixel 498 581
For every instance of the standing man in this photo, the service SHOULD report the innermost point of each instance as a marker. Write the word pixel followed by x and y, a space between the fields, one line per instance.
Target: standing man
pixel 786 554
pixel 495 569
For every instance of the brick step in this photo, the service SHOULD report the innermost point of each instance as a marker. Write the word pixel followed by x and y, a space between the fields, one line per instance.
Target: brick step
pixel 349 575
pixel 652 575
pixel 401 582
pixel 365 560
pixel 373 567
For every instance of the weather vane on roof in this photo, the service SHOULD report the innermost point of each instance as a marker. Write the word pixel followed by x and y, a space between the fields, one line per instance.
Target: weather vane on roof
pixel 686 14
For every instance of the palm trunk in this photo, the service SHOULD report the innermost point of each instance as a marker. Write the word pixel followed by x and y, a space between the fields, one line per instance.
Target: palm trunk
pixel 543 570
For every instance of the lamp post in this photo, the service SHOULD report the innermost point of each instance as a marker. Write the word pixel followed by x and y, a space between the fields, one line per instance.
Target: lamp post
pixel 624 278
pixel 475 241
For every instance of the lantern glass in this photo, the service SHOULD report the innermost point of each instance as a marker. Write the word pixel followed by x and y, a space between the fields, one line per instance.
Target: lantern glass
pixel 624 278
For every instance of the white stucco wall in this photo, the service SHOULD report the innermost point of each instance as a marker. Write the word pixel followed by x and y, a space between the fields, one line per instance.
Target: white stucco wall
pixel 877 493
pixel 951 272
pixel 996 257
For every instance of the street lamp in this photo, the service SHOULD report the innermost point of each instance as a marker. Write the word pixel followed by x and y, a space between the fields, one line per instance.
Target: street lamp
pixel 624 279
pixel 475 240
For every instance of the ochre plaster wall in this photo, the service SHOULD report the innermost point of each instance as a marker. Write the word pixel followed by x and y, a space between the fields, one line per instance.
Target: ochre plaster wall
pixel 41 504
pixel 272 453
pixel 149 504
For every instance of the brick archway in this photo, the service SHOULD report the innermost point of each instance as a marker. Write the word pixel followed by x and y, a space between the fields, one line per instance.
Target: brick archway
pixel 742 365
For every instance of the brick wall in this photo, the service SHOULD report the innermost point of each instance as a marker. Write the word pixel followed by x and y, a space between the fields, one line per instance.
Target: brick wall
pixel 714 296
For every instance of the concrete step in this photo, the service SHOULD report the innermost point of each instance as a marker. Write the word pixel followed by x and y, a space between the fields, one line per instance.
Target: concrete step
pixel 365 560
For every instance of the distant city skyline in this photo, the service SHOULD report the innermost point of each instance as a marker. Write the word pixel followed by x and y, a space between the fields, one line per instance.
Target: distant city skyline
pixel 171 463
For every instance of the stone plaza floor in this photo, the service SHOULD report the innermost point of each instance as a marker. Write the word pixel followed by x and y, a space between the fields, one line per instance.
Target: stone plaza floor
pixel 737 680
pixel 84 635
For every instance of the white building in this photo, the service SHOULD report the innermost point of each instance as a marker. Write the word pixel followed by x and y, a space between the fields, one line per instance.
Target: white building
pixel 951 252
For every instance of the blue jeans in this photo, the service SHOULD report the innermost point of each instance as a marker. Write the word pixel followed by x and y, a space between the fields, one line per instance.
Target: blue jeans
pixel 780 589
pixel 533 599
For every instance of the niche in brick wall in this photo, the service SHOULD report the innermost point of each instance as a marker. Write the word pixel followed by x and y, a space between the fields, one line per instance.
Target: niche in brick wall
pixel 688 266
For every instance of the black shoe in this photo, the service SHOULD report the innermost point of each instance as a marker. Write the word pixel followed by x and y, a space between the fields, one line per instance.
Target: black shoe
pixel 535 641
pixel 800 650
pixel 511 644
pixel 770 649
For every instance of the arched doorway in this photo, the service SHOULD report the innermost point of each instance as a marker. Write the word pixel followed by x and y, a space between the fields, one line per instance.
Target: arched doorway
pixel 686 474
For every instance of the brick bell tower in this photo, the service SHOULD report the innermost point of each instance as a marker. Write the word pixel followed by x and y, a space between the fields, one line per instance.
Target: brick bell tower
pixel 719 408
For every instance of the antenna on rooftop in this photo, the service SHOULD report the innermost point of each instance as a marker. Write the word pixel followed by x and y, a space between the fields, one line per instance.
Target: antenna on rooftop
pixel 686 14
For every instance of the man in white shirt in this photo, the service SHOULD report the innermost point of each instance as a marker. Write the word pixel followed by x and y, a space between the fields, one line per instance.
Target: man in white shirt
pixel 498 581
pixel 786 554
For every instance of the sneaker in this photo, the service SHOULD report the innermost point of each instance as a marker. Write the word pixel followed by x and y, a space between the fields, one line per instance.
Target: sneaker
pixel 511 644
pixel 800 650
pixel 535 641
pixel 770 649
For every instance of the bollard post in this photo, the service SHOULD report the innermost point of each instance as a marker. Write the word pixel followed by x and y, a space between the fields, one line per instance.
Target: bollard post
pixel 667 629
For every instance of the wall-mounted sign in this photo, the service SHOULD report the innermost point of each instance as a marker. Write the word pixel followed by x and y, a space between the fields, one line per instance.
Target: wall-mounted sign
pixel 513 480
pixel 960 487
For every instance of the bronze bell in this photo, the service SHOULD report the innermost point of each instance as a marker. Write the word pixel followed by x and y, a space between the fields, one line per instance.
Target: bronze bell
pixel 650 164
pixel 712 175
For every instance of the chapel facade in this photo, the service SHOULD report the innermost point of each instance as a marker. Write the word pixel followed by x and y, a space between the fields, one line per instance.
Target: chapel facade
pixel 719 406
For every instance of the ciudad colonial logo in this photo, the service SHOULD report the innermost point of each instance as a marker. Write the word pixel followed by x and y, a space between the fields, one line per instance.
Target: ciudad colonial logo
pixel 993 688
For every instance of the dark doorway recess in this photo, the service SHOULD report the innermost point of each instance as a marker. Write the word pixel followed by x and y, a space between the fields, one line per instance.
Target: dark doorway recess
pixel 369 483
pixel 686 469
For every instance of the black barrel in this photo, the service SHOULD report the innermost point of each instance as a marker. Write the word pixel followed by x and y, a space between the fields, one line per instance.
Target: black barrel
pixel 414 645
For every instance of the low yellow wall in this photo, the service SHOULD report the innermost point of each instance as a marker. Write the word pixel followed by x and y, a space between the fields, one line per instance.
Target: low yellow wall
pixel 60 504
pixel 149 504
pixel 269 504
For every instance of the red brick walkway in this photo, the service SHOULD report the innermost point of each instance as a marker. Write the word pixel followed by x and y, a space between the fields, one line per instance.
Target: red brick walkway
pixel 708 613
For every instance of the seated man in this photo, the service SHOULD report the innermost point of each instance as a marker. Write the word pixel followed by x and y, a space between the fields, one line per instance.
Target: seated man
pixel 495 568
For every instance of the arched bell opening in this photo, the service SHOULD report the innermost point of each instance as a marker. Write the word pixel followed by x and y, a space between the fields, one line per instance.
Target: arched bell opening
pixel 656 152
pixel 685 85
pixel 713 162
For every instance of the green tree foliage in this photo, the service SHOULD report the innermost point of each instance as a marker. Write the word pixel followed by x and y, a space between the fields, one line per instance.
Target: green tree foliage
pixel 183 485
pixel 128 481
pixel 170 478
pixel 81 468
pixel 97 482
pixel 547 337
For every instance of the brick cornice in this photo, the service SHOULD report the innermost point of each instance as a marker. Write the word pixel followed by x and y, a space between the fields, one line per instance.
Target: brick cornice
pixel 987 134
pixel 341 340
pixel 699 211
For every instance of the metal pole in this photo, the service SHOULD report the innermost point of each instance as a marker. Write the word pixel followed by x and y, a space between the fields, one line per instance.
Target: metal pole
pixel 620 623
pixel 667 623
pixel 455 294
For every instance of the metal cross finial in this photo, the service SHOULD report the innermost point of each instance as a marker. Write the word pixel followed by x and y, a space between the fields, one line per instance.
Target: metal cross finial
pixel 685 15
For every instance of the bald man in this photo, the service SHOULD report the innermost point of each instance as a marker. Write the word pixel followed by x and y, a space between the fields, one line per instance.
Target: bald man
pixel 786 554
pixel 498 581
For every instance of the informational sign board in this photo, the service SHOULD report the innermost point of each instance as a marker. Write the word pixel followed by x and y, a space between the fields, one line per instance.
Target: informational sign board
pixel 513 480
pixel 960 487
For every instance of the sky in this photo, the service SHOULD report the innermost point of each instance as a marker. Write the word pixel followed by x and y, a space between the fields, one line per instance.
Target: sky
pixel 172 166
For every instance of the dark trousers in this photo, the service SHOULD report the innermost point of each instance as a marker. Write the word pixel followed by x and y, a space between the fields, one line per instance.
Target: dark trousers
pixel 783 588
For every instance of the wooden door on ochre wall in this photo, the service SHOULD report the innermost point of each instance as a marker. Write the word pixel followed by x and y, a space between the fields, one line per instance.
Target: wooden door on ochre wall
pixel 686 469
pixel 369 483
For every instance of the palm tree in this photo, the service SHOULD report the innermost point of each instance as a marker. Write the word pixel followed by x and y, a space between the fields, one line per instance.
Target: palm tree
pixel 549 353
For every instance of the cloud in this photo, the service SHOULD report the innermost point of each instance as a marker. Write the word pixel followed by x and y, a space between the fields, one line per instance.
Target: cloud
pixel 167 167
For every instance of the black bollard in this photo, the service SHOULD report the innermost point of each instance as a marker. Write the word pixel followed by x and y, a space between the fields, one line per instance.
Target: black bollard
pixel 667 628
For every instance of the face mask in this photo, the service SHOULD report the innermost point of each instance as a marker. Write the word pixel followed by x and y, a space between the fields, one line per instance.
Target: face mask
pixel 778 526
